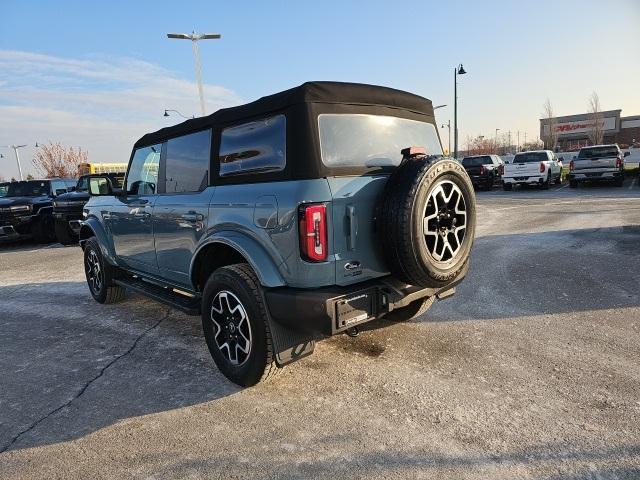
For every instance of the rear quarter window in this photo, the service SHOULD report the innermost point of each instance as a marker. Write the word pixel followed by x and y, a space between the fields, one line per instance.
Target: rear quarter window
pixel 258 146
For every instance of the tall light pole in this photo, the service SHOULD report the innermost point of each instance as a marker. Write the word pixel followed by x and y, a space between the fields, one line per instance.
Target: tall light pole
pixel 448 125
pixel 495 142
pixel 195 38
pixel 15 151
pixel 459 70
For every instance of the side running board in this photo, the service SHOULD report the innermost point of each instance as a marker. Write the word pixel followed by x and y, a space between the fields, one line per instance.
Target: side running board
pixel 166 295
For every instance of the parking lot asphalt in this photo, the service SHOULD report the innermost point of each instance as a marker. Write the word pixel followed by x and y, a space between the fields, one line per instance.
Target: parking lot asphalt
pixel 532 370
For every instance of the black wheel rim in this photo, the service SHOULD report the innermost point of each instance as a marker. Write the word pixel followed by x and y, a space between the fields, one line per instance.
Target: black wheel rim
pixel 232 332
pixel 95 275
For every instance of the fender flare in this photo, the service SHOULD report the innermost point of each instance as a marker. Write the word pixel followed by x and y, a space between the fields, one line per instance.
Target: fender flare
pixel 256 255
pixel 97 229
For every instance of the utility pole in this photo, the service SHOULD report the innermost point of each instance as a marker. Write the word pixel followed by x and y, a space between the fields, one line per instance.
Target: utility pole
pixel 509 141
pixel 195 38
pixel 15 151
pixel 495 142
pixel 525 138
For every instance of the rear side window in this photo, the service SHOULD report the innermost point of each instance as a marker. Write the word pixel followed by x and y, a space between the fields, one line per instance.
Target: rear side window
pixel 259 146
pixel 142 178
pixel 187 164
pixel 476 161
pixel 530 157
pixel 598 152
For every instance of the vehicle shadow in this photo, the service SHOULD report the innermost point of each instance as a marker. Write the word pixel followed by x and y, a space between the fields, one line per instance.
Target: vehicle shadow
pixel 574 461
pixel 72 366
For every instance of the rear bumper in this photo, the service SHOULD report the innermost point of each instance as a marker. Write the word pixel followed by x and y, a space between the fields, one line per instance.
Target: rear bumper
pixel 525 180
pixel 333 310
pixel 595 175
pixel 477 180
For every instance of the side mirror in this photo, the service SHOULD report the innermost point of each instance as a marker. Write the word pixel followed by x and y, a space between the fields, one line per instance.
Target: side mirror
pixel 626 154
pixel 100 186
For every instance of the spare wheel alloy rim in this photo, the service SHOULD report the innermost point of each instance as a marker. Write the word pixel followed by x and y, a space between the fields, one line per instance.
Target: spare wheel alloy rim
pixel 232 328
pixel 444 221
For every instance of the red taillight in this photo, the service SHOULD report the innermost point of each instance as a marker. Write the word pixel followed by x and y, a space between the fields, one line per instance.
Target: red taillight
pixel 313 232
pixel 618 163
pixel 571 165
pixel 481 169
pixel 542 167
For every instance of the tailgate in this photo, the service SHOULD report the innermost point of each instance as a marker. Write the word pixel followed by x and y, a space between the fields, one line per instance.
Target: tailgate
pixel 528 169
pixel 606 162
pixel 355 239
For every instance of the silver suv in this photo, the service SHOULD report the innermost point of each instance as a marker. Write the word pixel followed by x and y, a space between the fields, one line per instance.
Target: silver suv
pixel 301 215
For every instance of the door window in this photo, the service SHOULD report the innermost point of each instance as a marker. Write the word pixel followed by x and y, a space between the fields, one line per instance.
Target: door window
pixel 187 164
pixel 142 178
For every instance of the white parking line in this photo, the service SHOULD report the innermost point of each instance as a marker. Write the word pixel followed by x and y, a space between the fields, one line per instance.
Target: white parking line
pixel 633 182
pixel 563 186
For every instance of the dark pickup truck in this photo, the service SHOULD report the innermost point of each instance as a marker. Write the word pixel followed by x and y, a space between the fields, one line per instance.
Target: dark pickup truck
pixel 26 208
pixel 67 208
pixel 484 170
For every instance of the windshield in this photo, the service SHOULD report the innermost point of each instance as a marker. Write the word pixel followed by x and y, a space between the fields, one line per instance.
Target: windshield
pixel 355 140
pixel 83 184
pixel 530 157
pixel 476 161
pixel 598 152
pixel 30 188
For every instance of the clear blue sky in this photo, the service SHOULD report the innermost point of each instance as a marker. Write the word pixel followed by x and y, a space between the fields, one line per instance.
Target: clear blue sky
pixel 104 71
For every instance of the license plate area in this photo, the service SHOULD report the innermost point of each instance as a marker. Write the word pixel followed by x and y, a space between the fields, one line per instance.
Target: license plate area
pixel 355 309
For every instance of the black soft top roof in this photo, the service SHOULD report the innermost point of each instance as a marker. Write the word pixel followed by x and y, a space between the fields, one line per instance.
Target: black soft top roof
pixel 309 92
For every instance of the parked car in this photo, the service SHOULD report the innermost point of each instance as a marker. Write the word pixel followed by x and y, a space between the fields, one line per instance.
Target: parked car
pixel 484 170
pixel 67 208
pixel 536 167
pixel 4 188
pixel 301 215
pixel 598 163
pixel 26 209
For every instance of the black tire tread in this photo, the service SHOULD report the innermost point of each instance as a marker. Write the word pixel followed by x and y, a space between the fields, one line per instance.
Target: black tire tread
pixel 114 293
pixel 63 235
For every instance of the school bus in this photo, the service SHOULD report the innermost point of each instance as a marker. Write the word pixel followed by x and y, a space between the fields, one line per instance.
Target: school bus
pixel 89 168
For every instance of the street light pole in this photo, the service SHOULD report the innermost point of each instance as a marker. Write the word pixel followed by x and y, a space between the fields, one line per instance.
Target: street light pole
pixel 15 151
pixel 448 125
pixel 495 143
pixel 459 70
pixel 195 38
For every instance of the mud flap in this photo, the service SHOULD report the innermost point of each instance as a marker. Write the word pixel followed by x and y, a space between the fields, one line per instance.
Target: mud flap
pixel 290 345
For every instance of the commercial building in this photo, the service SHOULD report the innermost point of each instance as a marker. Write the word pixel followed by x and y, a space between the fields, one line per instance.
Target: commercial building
pixel 573 130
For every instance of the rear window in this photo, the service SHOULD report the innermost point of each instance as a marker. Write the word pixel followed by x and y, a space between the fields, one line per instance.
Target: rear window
pixel 477 161
pixel 530 157
pixel 598 152
pixel 360 140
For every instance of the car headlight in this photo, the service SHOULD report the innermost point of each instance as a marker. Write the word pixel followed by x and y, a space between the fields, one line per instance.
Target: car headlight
pixel 21 208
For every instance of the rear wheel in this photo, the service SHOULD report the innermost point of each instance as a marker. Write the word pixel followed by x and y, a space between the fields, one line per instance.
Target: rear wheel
pixel 411 311
pixel 619 181
pixel 559 179
pixel 64 234
pixel 236 325
pixel 507 187
pixel 427 221
pixel 100 275
pixel 547 182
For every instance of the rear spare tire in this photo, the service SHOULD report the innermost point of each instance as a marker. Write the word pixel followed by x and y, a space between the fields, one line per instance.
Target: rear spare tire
pixel 427 221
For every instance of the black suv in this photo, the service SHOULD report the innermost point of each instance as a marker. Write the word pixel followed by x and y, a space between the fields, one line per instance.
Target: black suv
pixel 484 170
pixel 26 209
pixel 67 208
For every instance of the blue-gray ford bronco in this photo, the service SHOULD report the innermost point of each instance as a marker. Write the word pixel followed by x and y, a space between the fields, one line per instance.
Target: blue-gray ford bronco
pixel 298 216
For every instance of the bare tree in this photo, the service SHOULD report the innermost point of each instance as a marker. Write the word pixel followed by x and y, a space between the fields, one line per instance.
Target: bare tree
pixel 550 133
pixel 596 130
pixel 55 160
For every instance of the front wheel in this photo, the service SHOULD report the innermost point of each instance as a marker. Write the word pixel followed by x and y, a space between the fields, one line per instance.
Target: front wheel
pixel 42 229
pixel 64 234
pixel 100 275
pixel 236 325
pixel 507 187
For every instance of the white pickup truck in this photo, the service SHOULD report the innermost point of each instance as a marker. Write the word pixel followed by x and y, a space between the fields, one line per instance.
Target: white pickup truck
pixel 598 163
pixel 537 167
